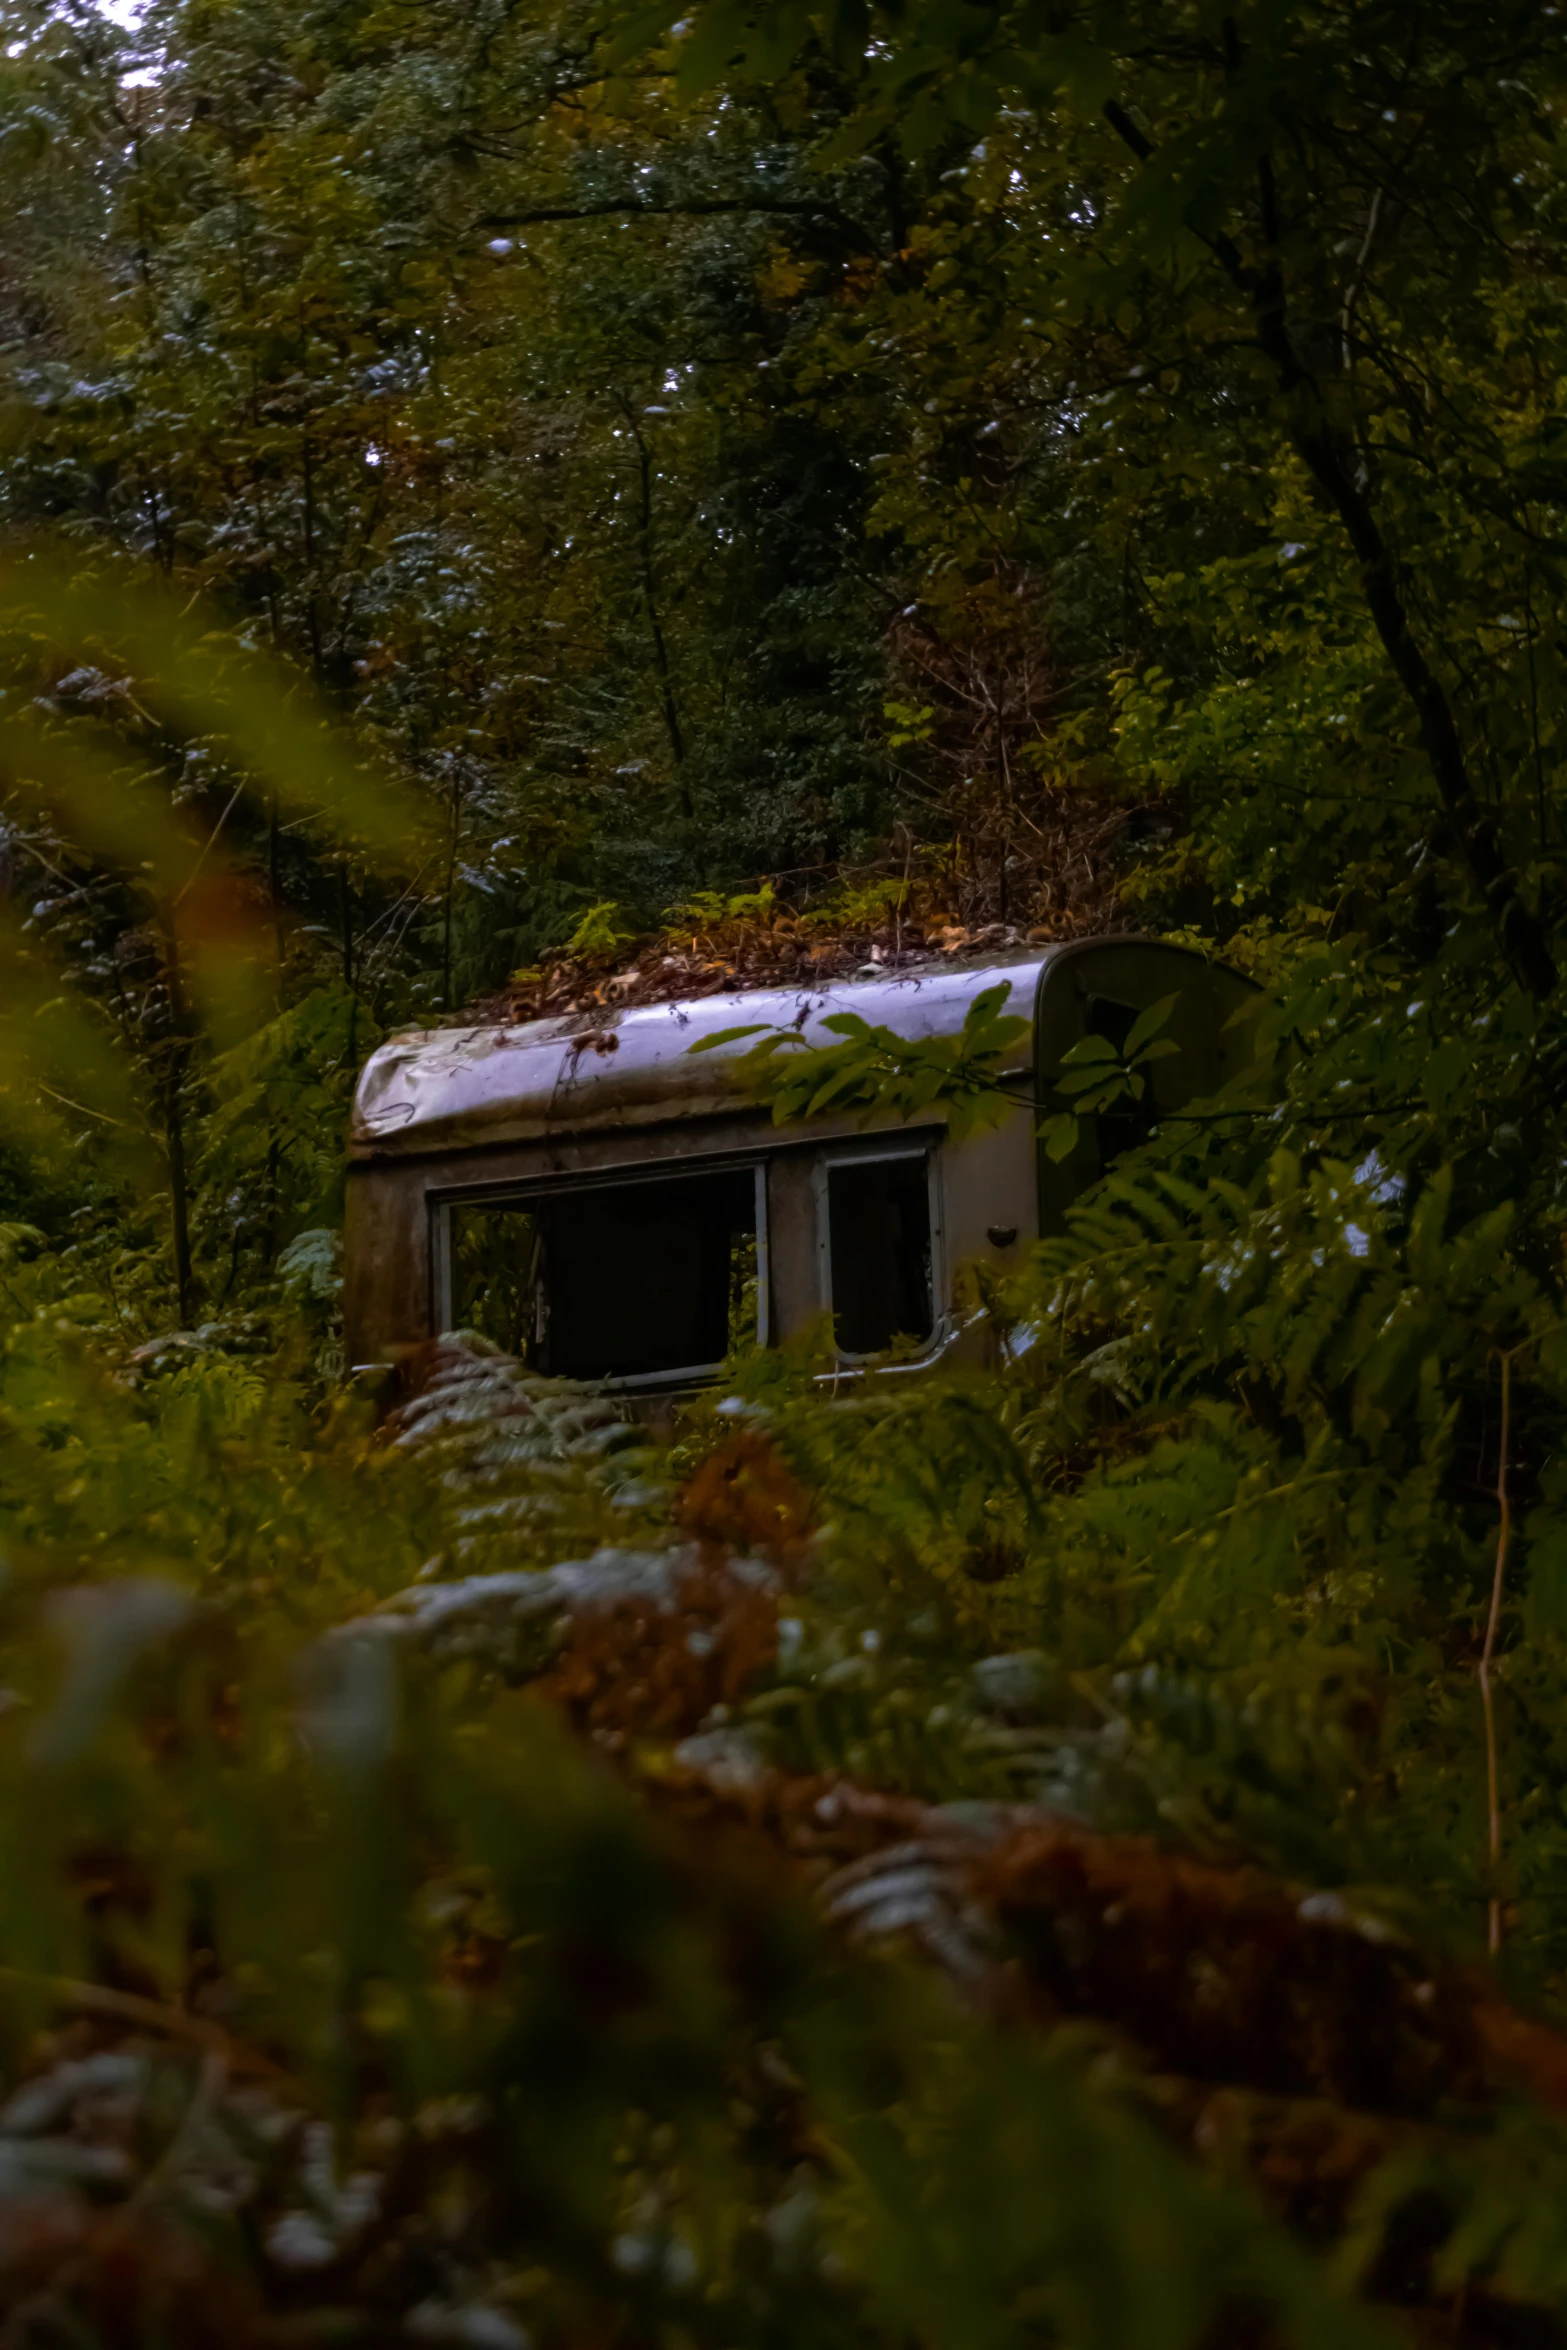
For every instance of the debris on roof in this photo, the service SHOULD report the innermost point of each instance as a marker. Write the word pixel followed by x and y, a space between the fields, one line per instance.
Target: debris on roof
pixel 758 941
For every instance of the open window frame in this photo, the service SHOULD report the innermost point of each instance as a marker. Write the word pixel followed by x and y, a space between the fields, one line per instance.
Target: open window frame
pixel 922 1146
pixel 530 1192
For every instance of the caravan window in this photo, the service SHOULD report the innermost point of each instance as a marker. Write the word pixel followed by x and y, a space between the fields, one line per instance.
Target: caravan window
pixel 619 1280
pixel 879 1253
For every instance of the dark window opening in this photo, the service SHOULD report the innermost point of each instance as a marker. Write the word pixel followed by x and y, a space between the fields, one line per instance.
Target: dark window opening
pixel 878 1219
pixel 494 1258
pixel 1128 1122
pixel 613 1281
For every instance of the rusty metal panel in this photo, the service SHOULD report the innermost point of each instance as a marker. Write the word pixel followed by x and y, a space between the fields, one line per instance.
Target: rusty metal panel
pixel 386 1262
pixel 792 1242
pixel 991 1205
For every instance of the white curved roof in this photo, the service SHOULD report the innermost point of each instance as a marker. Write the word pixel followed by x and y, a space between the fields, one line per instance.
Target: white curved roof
pixel 451 1087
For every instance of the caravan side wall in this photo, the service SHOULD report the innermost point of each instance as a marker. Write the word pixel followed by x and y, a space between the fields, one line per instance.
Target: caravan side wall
pixel 988 1197
pixel 985 1185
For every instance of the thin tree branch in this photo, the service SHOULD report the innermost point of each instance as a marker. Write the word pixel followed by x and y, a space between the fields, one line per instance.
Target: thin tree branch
pixel 691 207
pixel 1522 940
pixel 666 683
pixel 1504 1528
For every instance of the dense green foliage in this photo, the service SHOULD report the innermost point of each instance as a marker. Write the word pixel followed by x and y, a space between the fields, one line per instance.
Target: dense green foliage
pixel 479 482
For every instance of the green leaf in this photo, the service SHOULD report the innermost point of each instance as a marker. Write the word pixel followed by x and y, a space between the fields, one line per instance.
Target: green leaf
pixel 1147 1026
pixel 708 1044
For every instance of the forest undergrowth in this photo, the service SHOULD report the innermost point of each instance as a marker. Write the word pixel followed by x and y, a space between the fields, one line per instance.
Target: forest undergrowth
pixel 477 1871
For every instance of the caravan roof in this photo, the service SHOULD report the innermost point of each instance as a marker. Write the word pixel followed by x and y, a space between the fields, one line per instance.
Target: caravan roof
pixel 631 1067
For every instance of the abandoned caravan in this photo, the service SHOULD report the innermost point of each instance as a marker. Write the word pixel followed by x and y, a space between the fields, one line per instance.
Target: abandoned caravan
pixel 604 1201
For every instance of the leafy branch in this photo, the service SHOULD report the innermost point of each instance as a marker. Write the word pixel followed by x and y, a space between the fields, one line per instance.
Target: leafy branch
pixel 1099 1075
pixel 873 1070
